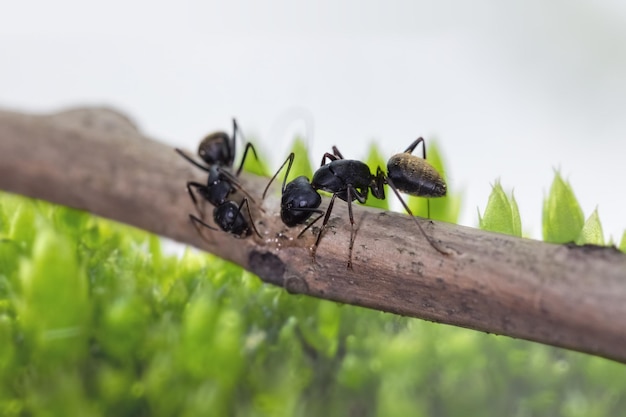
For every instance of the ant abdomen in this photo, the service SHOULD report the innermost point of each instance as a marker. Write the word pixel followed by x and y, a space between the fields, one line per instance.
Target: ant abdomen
pixel 415 176
pixel 217 149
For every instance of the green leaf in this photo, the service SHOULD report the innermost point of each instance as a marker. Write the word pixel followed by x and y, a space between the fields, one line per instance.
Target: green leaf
pixel 53 306
pixel 373 161
pixel 501 214
pixel 591 232
pixel 563 218
pixel 622 244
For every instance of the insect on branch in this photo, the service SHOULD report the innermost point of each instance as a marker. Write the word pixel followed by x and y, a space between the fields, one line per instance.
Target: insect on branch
pixel 94 159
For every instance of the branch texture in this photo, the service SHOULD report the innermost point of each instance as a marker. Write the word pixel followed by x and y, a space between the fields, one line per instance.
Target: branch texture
pixel 95 159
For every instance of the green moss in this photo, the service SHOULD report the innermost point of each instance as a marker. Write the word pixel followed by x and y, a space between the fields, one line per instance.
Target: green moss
pixel 563 218
pixel 97 320
pixel 501 214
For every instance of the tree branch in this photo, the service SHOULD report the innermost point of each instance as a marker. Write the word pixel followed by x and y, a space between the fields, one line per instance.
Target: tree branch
pixel 95 160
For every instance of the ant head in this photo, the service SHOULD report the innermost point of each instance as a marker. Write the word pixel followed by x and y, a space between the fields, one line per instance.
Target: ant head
pixel 217 149
pixel 299 202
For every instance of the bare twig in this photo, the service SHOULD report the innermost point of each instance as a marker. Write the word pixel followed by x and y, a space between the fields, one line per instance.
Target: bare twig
pixel 572 297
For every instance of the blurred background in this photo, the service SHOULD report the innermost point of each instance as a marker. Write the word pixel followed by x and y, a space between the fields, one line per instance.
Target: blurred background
pixel 510 91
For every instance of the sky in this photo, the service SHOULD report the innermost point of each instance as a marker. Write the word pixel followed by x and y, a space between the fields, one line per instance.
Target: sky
pixel 511 92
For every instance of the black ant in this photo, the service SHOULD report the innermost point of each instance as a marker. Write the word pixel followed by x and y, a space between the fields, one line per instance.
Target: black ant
pixel 227 213
pixel 351 180
pixel 299 199
pixel 217 150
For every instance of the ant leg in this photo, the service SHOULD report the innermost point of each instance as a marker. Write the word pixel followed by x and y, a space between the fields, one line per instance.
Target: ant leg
pixel 192 195
pixel 245 201
pixel 361 198
pixel 378 184
pixel 224 174
pixel 412 146
pixel 408 210
pixel 196 222
pixel 312 210
pixel 337 153
pixel 290 160
pixel 190 160
pixel 331 157
pixel 249 146
pixel 349 200
pixel 326 217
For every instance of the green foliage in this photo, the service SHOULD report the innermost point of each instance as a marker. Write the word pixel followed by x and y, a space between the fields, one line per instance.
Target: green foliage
pixel 375 160
pixel 591 232
pixel 501 214
pixel 564 221
pixel 96 320
pixel 563 218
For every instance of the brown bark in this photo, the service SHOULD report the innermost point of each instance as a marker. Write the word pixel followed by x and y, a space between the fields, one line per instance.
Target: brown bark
pixel 95 160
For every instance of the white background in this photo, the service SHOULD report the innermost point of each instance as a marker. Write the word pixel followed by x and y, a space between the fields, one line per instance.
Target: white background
pixel 511 90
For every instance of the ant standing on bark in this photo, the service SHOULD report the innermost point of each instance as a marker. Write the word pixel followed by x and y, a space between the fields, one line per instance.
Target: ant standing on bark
pixel 415 176
pixel 217 150
pixel 351 180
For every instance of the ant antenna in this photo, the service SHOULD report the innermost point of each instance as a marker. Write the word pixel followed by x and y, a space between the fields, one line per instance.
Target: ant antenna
pixel 249 146
pixel 290 160
pixel 191 160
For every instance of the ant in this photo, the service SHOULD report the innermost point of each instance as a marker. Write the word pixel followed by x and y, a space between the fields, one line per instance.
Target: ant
pixel 227 214
pixel 352 180
pixel 217 150
pixel 299 199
